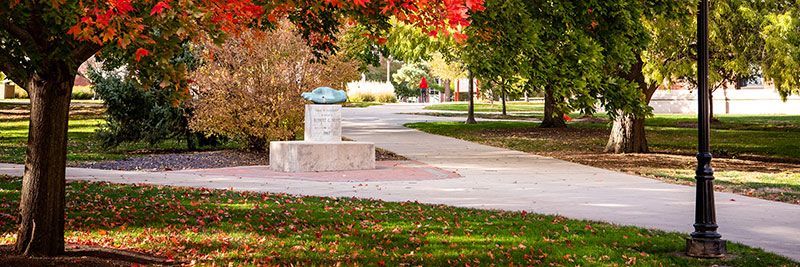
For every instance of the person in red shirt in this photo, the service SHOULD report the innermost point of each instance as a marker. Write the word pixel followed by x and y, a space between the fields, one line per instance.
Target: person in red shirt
pixel 423 91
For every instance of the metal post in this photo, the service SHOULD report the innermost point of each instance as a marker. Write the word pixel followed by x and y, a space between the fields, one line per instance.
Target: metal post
pixel 705 241
pixel 388 70
pixel 458 89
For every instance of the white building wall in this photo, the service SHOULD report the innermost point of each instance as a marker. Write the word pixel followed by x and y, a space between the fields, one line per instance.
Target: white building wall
pixel 730 101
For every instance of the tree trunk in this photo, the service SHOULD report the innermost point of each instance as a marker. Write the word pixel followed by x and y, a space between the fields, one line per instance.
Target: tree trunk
pixel 189 135
pixel 471 108
pixel 446 90
pixel 41 230
pixel 550 121
pixel 491 93
pixel 503 96
pixel 627 135
pixel 588 113
pixel 711 106
pixel 627 132
pixel 727 100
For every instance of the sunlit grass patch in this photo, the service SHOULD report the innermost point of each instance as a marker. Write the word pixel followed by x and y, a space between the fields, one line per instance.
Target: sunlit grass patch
pixel 82 145
pixel 783 186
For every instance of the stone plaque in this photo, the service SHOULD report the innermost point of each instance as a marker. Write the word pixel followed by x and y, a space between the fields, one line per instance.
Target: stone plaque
pixel 323 123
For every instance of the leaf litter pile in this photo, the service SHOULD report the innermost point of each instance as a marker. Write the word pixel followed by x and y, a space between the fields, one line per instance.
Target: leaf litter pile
pixel 196 226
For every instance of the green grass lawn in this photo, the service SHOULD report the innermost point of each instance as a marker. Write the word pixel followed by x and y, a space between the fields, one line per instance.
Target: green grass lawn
pixel 82 146
pixel 245 228
pixel 82 101
pixel 87 101
pixel 736 136
pixel 13 100
pixel 516 106
pixel 763 135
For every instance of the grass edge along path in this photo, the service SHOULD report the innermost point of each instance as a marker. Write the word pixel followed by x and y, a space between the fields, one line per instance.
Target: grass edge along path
pixel 205 226
pixel 483 107
pixel 360 104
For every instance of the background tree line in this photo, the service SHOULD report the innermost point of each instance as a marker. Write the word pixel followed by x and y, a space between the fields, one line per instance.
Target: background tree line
pixel 583 55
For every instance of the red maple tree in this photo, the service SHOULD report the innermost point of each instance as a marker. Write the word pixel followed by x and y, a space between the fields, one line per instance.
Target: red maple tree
pixel 44 42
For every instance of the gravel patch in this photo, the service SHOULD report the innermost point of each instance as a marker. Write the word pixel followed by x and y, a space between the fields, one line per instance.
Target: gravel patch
pixel 202 160
pixel 181 161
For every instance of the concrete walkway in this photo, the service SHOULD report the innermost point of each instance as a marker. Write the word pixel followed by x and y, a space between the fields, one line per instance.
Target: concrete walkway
pixel 494 178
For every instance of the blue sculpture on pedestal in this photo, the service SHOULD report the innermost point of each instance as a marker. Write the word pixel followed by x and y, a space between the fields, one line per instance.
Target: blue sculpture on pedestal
pixel 326 95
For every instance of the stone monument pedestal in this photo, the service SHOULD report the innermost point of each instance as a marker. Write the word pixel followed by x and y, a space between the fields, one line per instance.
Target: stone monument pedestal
pixel 322 149
pixel 304 156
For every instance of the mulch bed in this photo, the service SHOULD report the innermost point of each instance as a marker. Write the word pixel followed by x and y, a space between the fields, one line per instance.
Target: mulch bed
pixel 79 255
pixel 657 159
pixel 202 160
pixel 381 154
pixel 556 134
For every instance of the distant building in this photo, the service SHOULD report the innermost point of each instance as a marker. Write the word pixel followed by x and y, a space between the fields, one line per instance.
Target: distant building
pixel 744 97
pixel 81 79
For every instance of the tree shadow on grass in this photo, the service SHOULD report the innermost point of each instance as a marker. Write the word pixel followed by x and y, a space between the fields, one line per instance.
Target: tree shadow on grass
pixel 80 255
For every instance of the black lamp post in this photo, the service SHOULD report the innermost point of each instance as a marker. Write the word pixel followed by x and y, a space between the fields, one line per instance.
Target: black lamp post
pixel 705 241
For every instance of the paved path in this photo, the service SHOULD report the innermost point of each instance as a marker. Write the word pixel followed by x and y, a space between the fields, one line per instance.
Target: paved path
pixel 495 178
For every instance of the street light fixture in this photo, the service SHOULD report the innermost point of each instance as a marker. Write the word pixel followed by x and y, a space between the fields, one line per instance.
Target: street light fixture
pixel 704 242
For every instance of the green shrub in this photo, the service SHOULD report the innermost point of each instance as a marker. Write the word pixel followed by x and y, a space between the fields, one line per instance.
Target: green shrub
pixel 405 90
pixel 433 86
pixel 463 96
pixel 134 115
pixel 406 80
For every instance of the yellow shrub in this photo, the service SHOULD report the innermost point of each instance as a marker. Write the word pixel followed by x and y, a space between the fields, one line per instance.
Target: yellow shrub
pixel 368 91
pixel 251 88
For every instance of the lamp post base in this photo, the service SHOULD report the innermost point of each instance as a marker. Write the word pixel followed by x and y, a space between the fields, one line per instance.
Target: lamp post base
pixel 706 248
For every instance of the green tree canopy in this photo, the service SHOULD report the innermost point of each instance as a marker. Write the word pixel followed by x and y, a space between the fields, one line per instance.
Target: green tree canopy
pixel 406 80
